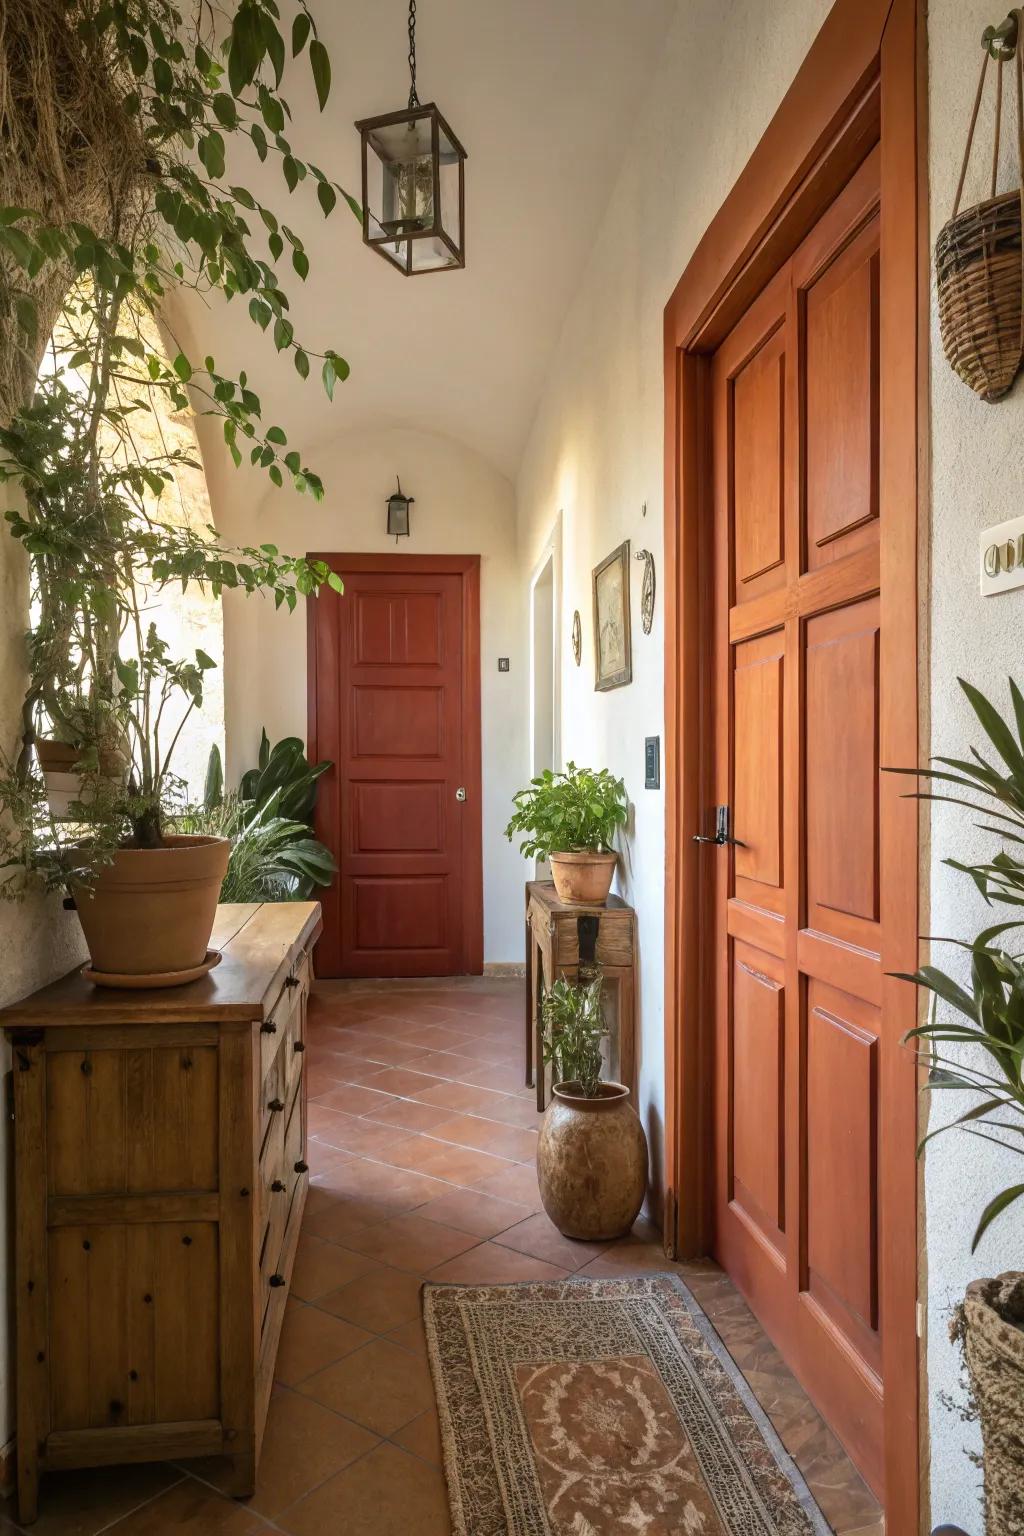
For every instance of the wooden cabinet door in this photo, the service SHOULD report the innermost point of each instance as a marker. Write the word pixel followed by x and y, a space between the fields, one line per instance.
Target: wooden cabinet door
pixel 395 705
pixel 798 978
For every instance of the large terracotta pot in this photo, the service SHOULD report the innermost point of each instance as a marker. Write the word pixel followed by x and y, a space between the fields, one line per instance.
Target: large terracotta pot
pixel 592 1162
pixel 583 879
pixel 992 1324
pixel 152 910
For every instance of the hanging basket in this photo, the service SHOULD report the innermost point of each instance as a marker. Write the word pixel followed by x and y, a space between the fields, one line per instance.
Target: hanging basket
pixel 979 255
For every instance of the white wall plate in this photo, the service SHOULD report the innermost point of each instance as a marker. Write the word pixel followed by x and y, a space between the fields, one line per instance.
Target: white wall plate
pixel 1001 557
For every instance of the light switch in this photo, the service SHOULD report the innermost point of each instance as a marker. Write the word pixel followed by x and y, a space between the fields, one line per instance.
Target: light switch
pixel 652 762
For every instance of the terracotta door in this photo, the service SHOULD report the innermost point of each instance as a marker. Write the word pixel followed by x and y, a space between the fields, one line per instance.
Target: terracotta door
pixel 395 704
pixel 798 979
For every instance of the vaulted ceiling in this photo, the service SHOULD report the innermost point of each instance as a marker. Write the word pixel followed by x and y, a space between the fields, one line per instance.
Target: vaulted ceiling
pixel 541 93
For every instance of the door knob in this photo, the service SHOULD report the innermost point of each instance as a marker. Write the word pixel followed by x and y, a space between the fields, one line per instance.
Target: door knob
pixel 460 793
pixel 722 833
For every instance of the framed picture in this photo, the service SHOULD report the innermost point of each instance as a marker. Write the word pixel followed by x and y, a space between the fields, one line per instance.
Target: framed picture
pixel 613 655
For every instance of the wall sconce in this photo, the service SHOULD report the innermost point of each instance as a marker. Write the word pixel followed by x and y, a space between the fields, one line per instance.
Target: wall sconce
pixel 398 513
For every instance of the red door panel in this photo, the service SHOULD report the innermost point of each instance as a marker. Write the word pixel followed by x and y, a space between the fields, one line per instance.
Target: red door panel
pixel 394 703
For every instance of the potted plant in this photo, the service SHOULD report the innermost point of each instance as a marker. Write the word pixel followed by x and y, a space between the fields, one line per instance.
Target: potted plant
pixel 570 819
pixel 592 1151
pixel 117 123
pixel 976 1051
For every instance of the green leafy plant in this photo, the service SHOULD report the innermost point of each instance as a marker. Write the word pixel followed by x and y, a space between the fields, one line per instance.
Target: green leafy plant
pixel 121 124
pixel 577 810
pixel 274 854
pixel 989 1014
pixel 572 1031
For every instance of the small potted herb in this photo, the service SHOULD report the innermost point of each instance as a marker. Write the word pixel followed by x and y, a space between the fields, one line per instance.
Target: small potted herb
pixel 570 819
pixel 592 1151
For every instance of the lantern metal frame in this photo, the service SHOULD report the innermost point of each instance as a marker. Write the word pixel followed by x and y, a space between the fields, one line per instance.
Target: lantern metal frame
pixel 438 124
pixel 400 496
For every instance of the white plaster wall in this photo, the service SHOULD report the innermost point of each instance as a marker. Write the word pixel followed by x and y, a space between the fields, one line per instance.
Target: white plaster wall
pixel 976 480
pixel 462 506
pixel 595 448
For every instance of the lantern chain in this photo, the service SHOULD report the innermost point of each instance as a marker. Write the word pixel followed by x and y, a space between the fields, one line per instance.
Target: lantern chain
pixel 414 100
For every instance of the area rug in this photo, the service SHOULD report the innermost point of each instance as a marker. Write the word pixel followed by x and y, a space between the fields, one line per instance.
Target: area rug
pixel 602 1408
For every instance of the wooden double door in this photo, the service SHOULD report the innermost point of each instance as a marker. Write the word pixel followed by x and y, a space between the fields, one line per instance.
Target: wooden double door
pixel 394 703
pixel 797 612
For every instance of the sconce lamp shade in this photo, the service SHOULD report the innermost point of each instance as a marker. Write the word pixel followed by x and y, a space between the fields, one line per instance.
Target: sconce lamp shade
pixel 398 513
pixel 414 195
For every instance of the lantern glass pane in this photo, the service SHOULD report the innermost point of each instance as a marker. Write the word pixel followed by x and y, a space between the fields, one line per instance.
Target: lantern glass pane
pixel 400 180
pixel 431 254
pixel 398 517
pixel 450 176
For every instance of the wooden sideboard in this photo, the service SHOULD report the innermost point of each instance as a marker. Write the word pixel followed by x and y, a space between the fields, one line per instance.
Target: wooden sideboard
pixel 558 937
pixel 160 1177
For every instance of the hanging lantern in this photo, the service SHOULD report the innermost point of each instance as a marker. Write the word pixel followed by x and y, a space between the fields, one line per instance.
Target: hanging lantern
pixel 398 513
pixel 414 194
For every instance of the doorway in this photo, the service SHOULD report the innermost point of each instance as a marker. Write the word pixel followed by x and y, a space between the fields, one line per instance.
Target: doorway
pixel 546 666
pixel 795 365
pixel 394 704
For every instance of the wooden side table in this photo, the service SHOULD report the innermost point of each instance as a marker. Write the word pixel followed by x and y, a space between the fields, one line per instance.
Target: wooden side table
pixel 558 937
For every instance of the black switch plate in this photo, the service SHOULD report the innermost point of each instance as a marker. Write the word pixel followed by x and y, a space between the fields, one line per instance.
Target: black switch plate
pixel 502 663
pixel 652 762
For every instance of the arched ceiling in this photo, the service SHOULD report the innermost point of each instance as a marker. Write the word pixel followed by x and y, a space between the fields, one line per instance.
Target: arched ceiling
pixel 542 94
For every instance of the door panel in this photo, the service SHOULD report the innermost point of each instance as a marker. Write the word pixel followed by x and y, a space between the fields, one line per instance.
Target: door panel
pixel 797 898
pixel 395 701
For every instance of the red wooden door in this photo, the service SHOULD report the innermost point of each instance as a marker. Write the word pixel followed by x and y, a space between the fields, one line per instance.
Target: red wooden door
pixel 394 694
pixel 799 1032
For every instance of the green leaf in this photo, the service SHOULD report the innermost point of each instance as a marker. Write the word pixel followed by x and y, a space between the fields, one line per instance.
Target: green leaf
pixel 163 76
pixel 327 197
pixel 274 44
pixel 335 582
pixel 321 66
pixel 276 435
pixel 211 153
pixel 300 261
pixel 328 375
pixel 260 312
pixel 301 28
pixel 138 56
pixel 276 475
pixel 246 47
pixel 291 172
pixel 301 363
pixel 259 139
pixel 204 662
pixel 182 367
pixel 225 111
pixel 995 1208
pixel 276 245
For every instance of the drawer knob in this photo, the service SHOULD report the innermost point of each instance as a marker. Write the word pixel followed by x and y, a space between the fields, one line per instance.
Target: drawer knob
pixel 276 1280
pixel 278 1186
pixel 269 1028
pixel 301 1166
pixel 300 1045
pixel 276 1105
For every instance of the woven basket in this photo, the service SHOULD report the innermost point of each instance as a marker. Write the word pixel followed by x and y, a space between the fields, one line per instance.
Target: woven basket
pixel 979 263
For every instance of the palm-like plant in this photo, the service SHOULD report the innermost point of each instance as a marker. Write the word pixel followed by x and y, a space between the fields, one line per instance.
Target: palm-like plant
pixel 990 1015
pixel 573 1030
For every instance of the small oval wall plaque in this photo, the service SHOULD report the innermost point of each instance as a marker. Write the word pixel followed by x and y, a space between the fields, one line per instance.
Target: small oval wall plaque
pixel 646 590
pixel 577 637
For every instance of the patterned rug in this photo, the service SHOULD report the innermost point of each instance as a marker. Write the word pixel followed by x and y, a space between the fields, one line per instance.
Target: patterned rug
pixel 602 1408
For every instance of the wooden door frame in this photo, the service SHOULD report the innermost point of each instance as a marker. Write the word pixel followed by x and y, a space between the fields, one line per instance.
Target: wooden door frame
pixel 468 567
pixel 866 69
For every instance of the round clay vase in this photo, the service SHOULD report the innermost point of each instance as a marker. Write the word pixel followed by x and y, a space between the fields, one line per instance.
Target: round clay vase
pixel 583 879
pixel 992 1328
pixel 592 1162
pixel 151 911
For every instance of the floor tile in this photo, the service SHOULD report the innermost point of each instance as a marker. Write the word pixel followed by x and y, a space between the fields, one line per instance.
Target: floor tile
pixel 405 1082
pixel 410 1115
pixel 472 1211
pixel 304 1443
pixel 450 1065
pixel 518 1184
pixel 410 1336
pixel 443 1160
pixel 353 1099
pixel 410 1243
pixel 509 1141
pixel 388 1493
pixel 190 1508
pixel 351 1133
pixel 500 1076
pixel 381 1184
pixel 81 1503
pixel 381 1386
pixel 321 1266
pixel 539 1236
pixel 422 1437
pixel 378 1301
pixel 490 1264
pixel 312 1339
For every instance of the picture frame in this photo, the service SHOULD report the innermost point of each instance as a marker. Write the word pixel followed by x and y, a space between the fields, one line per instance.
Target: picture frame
pixel 613 649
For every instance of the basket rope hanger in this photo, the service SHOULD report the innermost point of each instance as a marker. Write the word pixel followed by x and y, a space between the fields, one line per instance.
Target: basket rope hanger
pixel 1000 44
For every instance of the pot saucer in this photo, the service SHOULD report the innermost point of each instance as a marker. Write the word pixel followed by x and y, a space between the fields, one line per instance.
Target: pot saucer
pixel 161 979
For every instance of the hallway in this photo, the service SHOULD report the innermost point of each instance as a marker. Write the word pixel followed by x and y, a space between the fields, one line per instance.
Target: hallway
pixel 422 1141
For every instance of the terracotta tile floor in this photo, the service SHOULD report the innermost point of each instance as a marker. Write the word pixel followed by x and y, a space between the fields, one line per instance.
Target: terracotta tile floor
pixel 422 1146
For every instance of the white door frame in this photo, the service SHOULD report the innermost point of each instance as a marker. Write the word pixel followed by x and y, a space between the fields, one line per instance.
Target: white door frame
pixel 550 553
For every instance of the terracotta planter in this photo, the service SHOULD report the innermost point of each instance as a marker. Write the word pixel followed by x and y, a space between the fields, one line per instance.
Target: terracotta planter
pixel 583 879
pixel 592 1162
pixel 152 910
pixel 993 1336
